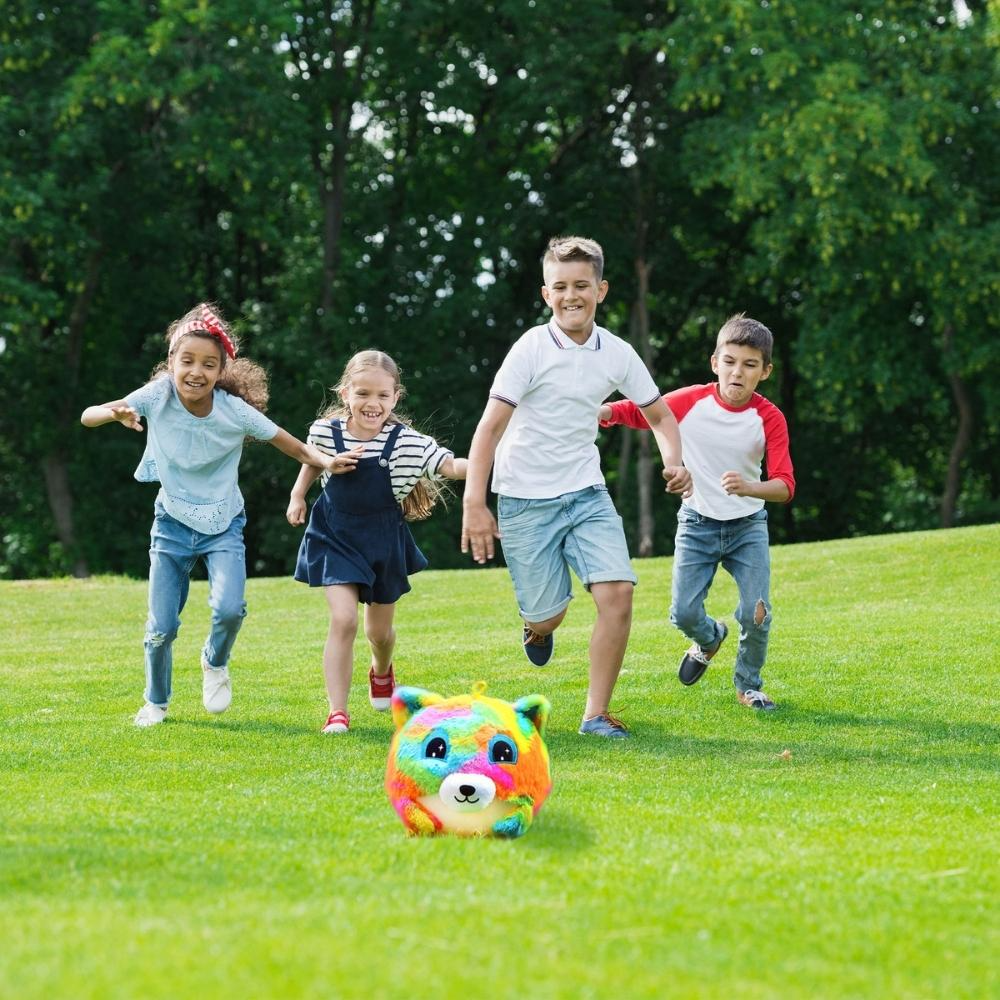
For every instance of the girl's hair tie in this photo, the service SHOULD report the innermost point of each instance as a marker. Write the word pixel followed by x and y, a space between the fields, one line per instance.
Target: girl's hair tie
pixel 205 321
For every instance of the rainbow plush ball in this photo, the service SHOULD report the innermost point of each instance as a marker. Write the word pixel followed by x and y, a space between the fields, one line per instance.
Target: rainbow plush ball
pixel 469 765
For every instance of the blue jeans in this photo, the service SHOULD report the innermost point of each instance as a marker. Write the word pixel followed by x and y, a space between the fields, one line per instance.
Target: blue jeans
pixel 173 551
pixel 543 539
pixel 741 546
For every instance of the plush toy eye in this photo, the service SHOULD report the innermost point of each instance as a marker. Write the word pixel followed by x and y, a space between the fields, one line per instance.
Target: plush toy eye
pixel 502 750
pixel 436 747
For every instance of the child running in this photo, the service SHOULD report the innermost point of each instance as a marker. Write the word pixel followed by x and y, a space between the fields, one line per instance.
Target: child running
pixel 555 513
pixel 727 429
pixel 357 545
pixel 200 405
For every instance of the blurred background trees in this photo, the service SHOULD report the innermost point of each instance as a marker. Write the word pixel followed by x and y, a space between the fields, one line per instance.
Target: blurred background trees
pixel 340 175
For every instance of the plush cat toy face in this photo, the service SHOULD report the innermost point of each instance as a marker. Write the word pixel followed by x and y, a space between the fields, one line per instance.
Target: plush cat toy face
pixel 469 765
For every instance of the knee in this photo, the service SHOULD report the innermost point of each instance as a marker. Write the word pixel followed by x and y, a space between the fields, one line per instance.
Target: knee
pixel 158 634
pixel 379 635
pixel 614 599
pixel 756 618
pixel 230 615
pixel 343 623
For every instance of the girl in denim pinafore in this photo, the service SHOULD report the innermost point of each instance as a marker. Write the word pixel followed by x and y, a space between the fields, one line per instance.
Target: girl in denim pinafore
pixel 357 545
pixel 356 532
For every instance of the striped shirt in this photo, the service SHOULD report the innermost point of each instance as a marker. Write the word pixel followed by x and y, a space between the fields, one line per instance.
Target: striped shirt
pixel 414 455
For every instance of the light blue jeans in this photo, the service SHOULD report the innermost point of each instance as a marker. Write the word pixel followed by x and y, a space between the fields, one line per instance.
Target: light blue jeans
pixel 741 546
pixel 543 539
pixel 173 551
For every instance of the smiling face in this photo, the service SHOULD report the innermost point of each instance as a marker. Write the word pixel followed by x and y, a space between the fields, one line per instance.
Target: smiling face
pixel 195 366
pixel 572 292
pixel 370 398
pixel 740 368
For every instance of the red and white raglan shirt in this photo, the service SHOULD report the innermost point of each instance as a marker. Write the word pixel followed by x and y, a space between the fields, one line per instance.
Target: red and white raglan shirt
pixel 718 438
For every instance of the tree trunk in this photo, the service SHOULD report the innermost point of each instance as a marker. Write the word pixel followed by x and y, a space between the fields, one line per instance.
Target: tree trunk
pixel 624 461
pixel 961 442
pixel 54 462
pixel 640 333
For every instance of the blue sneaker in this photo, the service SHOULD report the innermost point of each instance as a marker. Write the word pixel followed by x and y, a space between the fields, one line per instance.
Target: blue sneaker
pixel 538 648
pixel 605 725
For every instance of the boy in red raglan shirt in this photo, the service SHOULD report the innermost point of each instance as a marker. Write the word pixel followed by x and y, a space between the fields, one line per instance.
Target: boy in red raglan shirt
pixel 727 431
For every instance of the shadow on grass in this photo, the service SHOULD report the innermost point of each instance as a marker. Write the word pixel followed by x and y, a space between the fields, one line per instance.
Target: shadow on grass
pixel 790 726
pixel 270 727
pixel 977 733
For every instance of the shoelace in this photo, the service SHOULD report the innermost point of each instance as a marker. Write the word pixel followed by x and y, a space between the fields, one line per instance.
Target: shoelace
pixel 534 639
pixel 617 723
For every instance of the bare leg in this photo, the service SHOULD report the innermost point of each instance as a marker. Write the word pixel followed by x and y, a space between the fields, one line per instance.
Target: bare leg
pixel 608 642
pixel 338 653
pixel 381 635
pixel 548 626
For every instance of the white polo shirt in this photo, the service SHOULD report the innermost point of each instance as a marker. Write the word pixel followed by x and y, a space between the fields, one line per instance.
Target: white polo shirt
pixel 556 387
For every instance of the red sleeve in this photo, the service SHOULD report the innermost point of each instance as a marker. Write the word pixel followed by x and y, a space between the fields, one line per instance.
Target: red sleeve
pixel 777 458
pixel 624 411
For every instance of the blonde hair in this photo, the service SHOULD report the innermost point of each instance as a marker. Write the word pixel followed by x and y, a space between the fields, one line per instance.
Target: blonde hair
pixel 419 502
pixel 563 248
pixel 238 376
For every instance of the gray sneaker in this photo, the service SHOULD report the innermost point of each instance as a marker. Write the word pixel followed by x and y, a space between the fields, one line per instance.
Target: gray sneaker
pixel 697 658
pixel 605 725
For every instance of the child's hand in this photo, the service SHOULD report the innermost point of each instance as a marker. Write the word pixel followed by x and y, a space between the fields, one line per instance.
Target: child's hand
pixel 296 513
pixel 678 480
pixel 127 417
pixel 346 461
pixel 735 485
pixel 479 528
pixel 604 413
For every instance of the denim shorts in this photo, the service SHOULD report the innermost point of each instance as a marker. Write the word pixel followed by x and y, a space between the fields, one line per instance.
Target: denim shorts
pixel 543 539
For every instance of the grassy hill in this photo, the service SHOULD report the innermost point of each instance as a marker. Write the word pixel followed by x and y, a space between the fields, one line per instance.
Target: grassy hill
pixel 846 845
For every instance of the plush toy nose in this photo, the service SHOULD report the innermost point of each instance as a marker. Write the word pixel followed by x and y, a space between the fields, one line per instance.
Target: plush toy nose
pixel 467 790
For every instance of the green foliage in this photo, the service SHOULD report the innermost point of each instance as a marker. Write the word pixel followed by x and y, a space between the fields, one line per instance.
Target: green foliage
pixel 385 174
pixel 848 839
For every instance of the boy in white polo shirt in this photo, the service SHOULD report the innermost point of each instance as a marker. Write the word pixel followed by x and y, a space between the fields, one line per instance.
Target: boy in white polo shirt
pixel 727 429
pixel 540 425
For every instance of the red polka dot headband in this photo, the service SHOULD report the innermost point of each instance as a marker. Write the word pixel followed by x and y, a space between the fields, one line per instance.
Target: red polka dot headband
pixel 205 322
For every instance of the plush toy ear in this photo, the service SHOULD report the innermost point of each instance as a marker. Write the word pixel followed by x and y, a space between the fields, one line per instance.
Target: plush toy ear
pixel 406 701
pixel 535 707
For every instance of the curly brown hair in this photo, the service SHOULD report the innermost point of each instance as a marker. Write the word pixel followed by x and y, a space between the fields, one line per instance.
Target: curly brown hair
pixel 239 376
pixel 419 502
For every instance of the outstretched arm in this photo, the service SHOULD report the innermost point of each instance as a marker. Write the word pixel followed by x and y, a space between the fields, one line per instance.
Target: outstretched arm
pixel 668 439
pixel 479 527
pixel 454 468
pixel 307 454
pixel 105 413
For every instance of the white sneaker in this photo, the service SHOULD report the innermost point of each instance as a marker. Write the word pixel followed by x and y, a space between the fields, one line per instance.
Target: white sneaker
pixel 150 715
pixel 216 688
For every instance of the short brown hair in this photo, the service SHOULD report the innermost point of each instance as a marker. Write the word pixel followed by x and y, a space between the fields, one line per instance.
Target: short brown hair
pixel 575 248
pixel 741 329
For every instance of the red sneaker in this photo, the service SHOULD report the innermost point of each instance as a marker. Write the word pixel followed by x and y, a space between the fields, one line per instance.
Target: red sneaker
pixel 380 689
pixel 337 722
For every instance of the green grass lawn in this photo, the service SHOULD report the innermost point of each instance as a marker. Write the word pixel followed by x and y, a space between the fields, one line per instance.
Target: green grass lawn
pixel 248 855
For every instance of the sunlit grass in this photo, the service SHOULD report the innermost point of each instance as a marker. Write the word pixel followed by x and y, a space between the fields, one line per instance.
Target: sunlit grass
pixel 844 846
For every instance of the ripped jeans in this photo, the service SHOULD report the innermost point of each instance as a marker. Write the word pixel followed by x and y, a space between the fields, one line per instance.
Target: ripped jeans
pixel 174 549
pixel 741 546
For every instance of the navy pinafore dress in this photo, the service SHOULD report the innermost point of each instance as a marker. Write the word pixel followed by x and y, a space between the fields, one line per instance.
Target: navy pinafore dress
pixel 356 532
